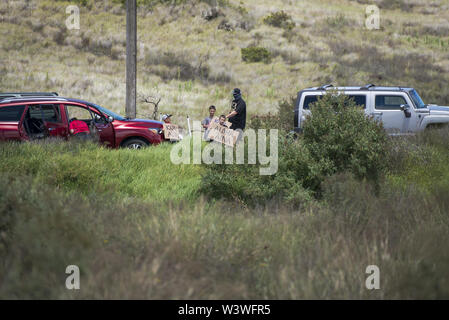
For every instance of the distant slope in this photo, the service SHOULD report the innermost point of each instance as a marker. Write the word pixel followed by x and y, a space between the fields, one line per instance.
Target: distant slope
pixel 193 59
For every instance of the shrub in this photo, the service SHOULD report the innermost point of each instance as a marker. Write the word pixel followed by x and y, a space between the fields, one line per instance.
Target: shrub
pixel 338 138
pixel 280 19
pixel 244 185
pixel 339 133
pixel 338 21
pixel 256 54
pixel 282 120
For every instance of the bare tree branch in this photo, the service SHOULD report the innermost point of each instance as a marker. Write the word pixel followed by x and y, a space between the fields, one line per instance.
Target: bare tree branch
pixel 153 101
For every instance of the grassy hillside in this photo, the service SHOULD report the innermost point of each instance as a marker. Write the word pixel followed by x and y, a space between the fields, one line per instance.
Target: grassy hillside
pixel 191 62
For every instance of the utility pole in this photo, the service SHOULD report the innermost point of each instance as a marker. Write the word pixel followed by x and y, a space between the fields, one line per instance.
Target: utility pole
pixel 131 57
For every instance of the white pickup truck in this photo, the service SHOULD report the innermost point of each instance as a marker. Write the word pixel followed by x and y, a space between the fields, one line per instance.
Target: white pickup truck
pixel 401 110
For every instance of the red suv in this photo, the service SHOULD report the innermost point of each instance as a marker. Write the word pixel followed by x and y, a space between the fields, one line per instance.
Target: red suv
pixel 30 116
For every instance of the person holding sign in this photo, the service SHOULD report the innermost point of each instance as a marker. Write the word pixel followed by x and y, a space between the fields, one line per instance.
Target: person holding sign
pixel 220 133
pixel 166 118
pixel 238 115
pixel 209 121
pixel 222 121
pixel 171 131
pixel 206 122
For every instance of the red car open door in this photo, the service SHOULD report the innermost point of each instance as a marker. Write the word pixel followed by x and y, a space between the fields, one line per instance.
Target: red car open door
pixel 96 121
pixel 50 114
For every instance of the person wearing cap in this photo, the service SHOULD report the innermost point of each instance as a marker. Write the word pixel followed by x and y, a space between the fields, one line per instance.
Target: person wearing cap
pixel 166 118
pixel 238 115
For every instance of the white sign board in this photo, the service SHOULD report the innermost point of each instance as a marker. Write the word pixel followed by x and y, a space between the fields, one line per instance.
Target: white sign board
pixel 222 134
pixel 171 131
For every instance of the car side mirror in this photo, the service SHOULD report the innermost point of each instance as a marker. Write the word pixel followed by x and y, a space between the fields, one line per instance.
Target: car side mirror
pixel 110 119
pixel 406 109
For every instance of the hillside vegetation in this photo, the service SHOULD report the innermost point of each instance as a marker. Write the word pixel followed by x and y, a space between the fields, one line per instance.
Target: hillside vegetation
pixel 191 56
pixel 137 233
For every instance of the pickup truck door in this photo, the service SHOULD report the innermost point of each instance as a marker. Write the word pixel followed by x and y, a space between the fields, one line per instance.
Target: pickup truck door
pixel 387 108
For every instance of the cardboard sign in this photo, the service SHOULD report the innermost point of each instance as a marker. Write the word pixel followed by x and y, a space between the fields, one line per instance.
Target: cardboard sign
pixel 215 120
pixel 222 134
pixel 171 131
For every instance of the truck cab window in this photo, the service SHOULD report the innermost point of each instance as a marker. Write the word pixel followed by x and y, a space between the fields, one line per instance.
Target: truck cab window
pixel 308 100
pixel 384 102
pixel 360 100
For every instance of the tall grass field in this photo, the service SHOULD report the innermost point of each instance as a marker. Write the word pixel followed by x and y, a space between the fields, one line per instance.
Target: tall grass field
pixel 138 227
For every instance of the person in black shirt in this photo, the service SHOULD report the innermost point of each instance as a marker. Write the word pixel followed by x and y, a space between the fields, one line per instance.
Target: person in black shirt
pixel 238 115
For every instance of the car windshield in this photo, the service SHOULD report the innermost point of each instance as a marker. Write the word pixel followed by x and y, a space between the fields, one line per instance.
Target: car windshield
pixel 417 99
pixel 109 113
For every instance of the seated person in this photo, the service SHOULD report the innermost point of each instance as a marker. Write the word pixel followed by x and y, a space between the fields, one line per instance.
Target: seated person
pixel 79 128
pixel 222 121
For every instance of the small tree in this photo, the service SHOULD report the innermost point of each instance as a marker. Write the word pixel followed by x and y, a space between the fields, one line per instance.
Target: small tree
pixel 339 133
pixel 256 54
pixel 280 19
pixel 152 101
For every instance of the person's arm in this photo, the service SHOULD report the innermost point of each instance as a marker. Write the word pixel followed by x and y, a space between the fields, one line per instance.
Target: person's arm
pixel 233 113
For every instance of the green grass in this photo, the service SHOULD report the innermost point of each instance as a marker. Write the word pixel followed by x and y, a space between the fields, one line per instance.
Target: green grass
pixel 138 228
pixel 85 168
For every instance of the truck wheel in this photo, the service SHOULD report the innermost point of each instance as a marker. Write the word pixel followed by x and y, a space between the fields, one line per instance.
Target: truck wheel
pixel 135 144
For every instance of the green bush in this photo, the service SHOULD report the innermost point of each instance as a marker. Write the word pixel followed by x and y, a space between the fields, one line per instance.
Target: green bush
pixel 282 119
pixel 244 184
pixel 256 54
pixel 337 138
pixel 280 19
pixel 338 21
pixel 339 133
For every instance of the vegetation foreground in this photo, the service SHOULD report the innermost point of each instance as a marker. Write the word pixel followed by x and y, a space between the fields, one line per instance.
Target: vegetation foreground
pixel 140 227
